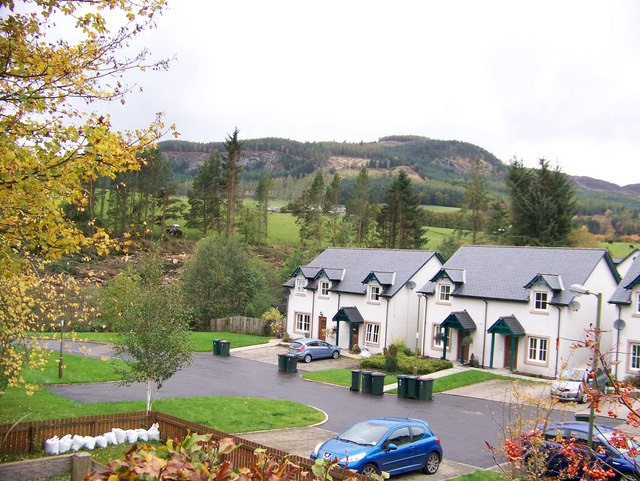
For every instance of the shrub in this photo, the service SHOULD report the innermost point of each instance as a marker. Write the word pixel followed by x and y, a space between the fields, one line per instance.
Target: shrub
pixel 406 364
pixel 391 364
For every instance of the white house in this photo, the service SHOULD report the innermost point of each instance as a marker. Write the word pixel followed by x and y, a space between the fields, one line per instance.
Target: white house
pixel 366 297
pixel 624 264
pixel 511 307
pixel 626 299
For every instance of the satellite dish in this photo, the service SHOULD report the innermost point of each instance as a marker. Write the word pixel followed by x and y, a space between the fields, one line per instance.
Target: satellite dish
pixel 619 324
pixel 411 285
pixel 574 306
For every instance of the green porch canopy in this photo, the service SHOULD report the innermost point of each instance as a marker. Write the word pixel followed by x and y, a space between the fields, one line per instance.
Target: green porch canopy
pixel 506 326
pixel 456 320
pixel 353 317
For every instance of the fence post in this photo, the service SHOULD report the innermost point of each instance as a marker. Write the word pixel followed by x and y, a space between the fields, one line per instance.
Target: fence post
pixel 80 466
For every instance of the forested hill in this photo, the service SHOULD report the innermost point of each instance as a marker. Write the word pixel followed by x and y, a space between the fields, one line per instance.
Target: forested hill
pixel 442 160
pixel 444 163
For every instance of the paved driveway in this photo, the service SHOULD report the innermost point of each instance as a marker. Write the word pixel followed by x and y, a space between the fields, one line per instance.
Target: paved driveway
pixel 464 419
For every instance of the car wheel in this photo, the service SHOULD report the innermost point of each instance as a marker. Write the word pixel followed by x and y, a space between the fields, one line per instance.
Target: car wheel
pixel 335 355
pixel 307 358
pixel 582 397
pixel 432 464
pixel 370 469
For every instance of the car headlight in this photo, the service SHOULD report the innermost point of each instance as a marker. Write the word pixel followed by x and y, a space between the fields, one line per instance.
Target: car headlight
pixel 317 448
pixel 352 459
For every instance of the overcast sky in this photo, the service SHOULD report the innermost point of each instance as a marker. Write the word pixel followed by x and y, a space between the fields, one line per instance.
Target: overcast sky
pixel 530 79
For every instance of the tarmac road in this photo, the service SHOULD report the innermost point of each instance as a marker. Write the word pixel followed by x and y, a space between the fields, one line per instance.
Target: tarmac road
pixel 464 424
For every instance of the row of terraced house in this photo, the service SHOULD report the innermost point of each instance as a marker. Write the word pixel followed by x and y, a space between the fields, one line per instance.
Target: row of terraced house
pixel 516 308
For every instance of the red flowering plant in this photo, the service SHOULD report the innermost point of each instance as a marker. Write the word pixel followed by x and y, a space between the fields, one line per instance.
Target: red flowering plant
pixel 533 448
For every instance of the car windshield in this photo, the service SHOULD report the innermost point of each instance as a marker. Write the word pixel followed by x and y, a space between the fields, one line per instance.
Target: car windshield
pixel 365 433
pixel 572 375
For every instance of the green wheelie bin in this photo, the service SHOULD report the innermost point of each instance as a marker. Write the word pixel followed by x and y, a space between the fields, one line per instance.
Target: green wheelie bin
pixel 366 382
pixel 355 380
pixel 225 347
pixel 425 388
pixel 377 383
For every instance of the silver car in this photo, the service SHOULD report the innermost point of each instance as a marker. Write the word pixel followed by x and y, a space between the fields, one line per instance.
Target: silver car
pixel 310 348
pixel 570 385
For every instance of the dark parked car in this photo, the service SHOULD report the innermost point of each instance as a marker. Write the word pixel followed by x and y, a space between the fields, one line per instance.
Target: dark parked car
pixel 622 459
pixel 310 348
pixel 394 445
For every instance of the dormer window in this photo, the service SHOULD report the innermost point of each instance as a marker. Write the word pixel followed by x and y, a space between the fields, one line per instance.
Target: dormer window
pixel 444 293
pixel 374 294
pixel 540 301
pixel 324 288
pixel 300 285
pixel 637 312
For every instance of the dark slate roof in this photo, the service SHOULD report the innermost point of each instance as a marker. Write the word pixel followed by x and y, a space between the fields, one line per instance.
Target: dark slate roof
pixel 392 266
pixel 622 294
pixel 553 281
pixel 503 272
pixel 352 314
pixel 428 288
pixel 383 278
pixel 332 274
pixel 461 318
pixel 511 323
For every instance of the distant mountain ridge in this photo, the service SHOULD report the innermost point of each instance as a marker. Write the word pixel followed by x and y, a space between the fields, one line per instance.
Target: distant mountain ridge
pixel 447 161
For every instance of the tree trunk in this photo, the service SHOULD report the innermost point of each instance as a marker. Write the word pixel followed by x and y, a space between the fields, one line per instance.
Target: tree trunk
pixel 149 386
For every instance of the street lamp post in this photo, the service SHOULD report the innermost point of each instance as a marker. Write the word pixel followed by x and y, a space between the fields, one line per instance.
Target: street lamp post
pixel 60 365
pixel 580 290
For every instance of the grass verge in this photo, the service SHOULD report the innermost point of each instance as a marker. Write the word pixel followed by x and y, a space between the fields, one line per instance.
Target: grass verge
pixel 201 341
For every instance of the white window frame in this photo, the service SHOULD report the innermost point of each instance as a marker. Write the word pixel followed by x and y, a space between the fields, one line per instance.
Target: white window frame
pixel 540 301
pixel 637 310
pixel 372 333
pixel 634 356
pixel 323 288
pixel 438 345
pixel 538 350
pixel 374 294
pixel 301 320
pixel 444 293
pixel 301 283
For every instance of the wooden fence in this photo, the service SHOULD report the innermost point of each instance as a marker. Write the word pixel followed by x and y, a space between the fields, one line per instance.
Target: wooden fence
pixel 28 437
pixel 241 325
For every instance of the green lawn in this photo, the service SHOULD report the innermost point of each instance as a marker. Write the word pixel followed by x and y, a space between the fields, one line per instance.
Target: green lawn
pixel 202 341
pixel 342 377
pixel 232 415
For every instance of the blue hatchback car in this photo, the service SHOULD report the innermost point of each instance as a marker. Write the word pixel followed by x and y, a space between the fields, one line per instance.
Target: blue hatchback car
pixel 624 461
pixel 393 445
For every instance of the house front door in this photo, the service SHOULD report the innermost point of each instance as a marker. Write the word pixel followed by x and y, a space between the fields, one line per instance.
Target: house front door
pixel 510 353
pixel 461 335
pixel 354 335
pixel 322 326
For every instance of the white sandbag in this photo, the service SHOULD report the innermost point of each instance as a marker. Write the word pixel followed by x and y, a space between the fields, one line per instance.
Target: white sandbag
pixel 121 436
pixel 77 443
pixel 143 435
pixel 101 441
pixel 89 442
pixel 154 432
pixel 111 437
pixel 52 445
pixel 65 443
pixel 132 435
